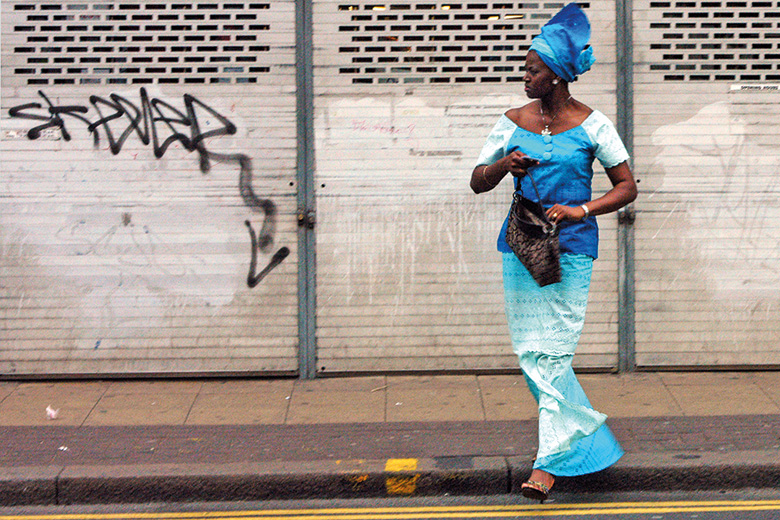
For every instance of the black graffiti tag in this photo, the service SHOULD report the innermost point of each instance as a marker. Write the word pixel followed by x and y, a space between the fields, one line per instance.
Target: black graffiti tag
pixel 255 278
pixel 53 119
pixel 160 124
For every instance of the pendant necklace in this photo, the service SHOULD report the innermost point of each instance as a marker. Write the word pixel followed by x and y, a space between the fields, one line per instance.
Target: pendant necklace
pixel 546 130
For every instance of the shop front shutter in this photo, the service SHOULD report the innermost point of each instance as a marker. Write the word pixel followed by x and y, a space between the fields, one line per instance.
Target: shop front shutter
pixel 408 276
pixel 148 188
pixel 707 85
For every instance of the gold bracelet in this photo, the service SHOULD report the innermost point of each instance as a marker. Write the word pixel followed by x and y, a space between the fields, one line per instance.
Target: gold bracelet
pixel 484 176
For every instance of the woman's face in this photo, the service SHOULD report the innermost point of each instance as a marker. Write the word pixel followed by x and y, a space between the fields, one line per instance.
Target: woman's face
pixel 538 76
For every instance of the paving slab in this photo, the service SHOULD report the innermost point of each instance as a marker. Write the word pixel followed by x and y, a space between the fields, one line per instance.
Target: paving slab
pixel 359 400
pixel 769 382
pixel 73 401
pixel 506 398
pixel 719 393
pixel 6 389
pixel 242 402
pixel 445 398
pixel 238 408
pixel 140 408
pixel 158 387
pixel 282 387
pixel 630 395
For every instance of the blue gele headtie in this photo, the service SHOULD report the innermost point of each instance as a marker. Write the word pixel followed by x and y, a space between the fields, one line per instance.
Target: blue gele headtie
pixel 563 44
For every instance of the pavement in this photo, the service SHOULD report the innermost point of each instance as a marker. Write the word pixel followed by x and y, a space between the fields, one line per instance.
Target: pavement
pixel 252 439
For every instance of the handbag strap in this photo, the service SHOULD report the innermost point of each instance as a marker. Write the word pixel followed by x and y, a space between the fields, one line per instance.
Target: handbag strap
pixel 552 225
pixel 520 186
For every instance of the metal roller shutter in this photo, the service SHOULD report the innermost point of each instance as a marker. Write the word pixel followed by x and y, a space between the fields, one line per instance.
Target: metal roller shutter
pixel 707 105
pixel 408 277
pixel 144 144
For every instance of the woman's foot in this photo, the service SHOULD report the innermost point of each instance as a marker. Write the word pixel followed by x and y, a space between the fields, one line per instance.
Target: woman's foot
pixel 538 486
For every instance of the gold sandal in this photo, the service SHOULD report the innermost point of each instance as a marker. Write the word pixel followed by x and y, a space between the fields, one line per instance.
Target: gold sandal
pixel 535 490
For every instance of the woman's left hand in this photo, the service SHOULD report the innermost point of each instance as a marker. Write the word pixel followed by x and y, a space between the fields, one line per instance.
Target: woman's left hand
pixel 560 213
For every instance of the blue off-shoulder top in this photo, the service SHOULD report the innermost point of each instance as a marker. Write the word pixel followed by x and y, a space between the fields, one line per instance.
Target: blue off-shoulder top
pixel 565 171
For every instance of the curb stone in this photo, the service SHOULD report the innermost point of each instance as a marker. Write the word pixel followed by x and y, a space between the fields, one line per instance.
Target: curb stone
pixel 682 471
pixel 29 486
pixel 252 481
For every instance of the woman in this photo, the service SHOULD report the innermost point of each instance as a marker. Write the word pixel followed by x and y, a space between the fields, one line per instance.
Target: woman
pixel 556 138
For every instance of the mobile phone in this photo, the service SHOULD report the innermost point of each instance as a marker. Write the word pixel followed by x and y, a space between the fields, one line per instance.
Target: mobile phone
pixel 530 161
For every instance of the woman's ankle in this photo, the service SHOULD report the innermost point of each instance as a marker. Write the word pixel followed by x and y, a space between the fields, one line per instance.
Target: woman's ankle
pixel 541 476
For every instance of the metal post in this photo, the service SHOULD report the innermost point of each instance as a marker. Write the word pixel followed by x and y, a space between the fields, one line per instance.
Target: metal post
pixel 626 296
pixel 307 297
pixel 626 216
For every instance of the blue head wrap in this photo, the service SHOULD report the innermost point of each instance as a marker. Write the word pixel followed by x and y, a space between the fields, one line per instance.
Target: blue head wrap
pixel 563 43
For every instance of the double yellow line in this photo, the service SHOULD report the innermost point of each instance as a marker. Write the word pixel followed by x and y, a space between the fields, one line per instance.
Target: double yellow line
pixel 442 512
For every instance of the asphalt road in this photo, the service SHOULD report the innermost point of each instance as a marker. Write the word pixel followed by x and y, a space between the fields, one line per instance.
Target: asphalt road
pixel 742 505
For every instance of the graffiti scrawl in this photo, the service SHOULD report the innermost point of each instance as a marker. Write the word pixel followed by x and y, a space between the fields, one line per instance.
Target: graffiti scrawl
pixel 160 124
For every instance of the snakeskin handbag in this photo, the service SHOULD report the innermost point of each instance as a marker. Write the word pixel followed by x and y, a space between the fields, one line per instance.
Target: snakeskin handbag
pixel 534 238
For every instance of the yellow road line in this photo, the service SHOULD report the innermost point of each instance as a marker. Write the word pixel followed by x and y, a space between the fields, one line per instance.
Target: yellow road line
pixel 443 512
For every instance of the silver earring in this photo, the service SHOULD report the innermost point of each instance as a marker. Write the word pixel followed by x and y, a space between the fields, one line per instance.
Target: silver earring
pixel 555 81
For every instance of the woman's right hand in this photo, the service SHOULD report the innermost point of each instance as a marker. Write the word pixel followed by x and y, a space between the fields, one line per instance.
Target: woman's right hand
pixel 517 163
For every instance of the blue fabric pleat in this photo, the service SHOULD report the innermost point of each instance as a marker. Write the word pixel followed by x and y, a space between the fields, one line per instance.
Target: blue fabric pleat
pixel 545 325
pixel 580 441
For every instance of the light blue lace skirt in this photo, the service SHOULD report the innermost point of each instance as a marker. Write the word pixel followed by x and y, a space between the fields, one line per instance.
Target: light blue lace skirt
pixel 545 324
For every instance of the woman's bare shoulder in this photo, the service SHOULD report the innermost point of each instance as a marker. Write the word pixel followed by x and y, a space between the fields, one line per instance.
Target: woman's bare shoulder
pixel 581 110
pixel 521 116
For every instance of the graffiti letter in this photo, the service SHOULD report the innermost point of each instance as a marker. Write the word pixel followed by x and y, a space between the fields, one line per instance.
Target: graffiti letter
pixel 52 120
pixel 199 137
pixel 115 146
pixel 253 279
pixel 178 119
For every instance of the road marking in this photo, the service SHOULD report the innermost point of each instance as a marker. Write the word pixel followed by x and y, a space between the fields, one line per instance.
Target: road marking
pixel 401 465
pixel 444 512
pixel 403 485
